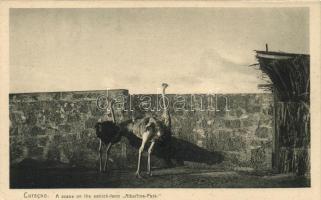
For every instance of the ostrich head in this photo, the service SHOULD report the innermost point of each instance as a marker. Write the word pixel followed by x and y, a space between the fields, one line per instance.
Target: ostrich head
pixel 164 85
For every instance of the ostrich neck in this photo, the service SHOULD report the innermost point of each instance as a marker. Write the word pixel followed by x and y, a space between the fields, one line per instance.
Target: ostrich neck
pixel 163 97
pixel 112 113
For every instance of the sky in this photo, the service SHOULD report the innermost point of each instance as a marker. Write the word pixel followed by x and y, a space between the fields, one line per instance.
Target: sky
pixel 194 50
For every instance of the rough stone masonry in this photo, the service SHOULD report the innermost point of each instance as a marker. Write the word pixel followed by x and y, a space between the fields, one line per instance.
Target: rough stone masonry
pixel 59 126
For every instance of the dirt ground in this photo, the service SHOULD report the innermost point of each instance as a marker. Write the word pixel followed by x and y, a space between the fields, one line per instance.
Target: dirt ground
pixel 178 177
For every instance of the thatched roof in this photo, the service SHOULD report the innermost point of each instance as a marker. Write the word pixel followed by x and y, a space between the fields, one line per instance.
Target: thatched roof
pixel 289 74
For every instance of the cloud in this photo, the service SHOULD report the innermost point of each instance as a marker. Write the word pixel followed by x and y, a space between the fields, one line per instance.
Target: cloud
pixel 214 66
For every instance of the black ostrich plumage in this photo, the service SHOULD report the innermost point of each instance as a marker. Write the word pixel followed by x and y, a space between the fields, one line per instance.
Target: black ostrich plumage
pixel 108 132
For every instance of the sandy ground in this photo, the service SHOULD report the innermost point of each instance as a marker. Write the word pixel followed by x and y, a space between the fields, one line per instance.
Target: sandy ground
pixel 178 177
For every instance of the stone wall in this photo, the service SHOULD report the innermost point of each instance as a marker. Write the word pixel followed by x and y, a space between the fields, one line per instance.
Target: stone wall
pixel 59 126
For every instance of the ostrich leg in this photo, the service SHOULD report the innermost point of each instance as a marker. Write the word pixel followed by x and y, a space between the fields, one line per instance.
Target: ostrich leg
pixel 100 155
pixel 141 149
pixel 150 150
pixel 107 154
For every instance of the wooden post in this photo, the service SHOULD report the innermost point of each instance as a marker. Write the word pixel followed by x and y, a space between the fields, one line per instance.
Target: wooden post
pixel 266 47
pixel 276 145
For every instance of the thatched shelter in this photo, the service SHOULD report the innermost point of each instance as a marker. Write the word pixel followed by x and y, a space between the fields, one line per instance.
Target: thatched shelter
pixel 290 83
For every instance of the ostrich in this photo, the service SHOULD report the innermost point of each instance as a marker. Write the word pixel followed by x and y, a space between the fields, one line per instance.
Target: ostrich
pixel 108 134
pixel 154 130
pixel 149 129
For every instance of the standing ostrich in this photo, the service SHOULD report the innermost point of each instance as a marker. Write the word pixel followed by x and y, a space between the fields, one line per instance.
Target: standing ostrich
pixel 108 134
pixel 154 130
pixel 149 129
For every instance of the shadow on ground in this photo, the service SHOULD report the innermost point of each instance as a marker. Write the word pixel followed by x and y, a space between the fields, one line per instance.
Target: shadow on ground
pixel 34 174
pixel 180 150
pixel 51 174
